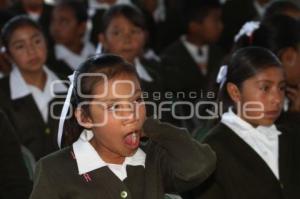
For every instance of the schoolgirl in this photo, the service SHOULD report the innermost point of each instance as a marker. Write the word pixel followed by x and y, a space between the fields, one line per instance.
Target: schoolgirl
pixel 104 159
pixel 27 91
pixel 256 159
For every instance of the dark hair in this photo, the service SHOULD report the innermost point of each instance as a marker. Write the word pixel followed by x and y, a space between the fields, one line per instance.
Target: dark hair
pixel 106 64
pixel 275 33
pixel 13 24
pixel 198 10
pixel 280 7
pixel 78 7
pixel 244 64
pixel 131 13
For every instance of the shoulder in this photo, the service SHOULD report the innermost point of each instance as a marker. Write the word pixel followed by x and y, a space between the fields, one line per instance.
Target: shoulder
pixel 4 89
pixel 218 135
pixel 175 47
pixel 57 160
pixel 4 83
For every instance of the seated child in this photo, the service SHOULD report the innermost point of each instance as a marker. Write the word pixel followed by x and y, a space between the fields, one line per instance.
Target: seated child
pixel 28 92
pixel 104 159
pixel 67 28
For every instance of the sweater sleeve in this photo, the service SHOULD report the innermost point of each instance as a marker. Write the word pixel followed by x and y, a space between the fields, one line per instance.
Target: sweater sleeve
pixel 184 162
pixel 44 187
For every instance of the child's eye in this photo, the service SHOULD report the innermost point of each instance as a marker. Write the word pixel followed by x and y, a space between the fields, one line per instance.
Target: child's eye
pixel 116 33
pixel 264 88
pixel 113 107
pixel 19 46
pixel 38 41
pixel 139 100
pixel 282 88
pixel 136 31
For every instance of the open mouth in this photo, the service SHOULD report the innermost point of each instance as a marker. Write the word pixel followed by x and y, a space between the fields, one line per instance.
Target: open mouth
pixel 132 139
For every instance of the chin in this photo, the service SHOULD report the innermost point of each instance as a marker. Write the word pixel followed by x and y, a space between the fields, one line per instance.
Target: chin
pixel 129 152
pixel 267 122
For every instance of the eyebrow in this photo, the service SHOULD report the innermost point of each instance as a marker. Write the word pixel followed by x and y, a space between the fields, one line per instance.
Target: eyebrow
pixel 22 40
pixel 270 81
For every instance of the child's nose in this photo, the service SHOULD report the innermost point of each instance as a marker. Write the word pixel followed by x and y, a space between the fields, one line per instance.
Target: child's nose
pixel 277 98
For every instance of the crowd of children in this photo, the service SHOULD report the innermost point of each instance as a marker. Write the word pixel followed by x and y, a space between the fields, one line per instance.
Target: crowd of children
pixel 79 118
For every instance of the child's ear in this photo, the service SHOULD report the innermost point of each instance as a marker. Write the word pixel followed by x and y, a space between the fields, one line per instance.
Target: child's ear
pixel 233 92
pixel 102 40
pixel 83 119
pixel 289 57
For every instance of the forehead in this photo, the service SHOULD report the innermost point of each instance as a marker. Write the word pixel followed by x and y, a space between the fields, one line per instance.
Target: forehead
pixel 120 21
pixel 272 74
pixel 63 10
pixel 120 86
pixel 23 32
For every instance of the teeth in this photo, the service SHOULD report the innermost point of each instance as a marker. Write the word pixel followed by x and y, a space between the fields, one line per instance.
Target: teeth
pixel 134 137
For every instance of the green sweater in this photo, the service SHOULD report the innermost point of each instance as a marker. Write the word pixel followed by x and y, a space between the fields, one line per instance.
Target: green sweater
pixel 174 163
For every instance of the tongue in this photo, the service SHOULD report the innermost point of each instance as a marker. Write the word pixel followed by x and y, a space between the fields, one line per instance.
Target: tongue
pixel 131 139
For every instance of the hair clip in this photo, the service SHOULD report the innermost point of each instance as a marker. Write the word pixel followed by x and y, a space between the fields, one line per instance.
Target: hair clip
pixel 221 77
pixel 247 29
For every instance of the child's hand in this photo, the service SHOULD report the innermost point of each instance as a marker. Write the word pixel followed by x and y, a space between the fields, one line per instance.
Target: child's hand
pixel 294 95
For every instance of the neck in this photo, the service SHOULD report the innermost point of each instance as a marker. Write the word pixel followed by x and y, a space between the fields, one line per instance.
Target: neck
pixel 75 47
pixel 195 40
pixel 37 79
pixel 106 154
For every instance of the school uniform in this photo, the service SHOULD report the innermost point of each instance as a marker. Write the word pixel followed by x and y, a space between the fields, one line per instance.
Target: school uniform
pixel 14 179
pixel 30 110
pixel 161 167
pixel 288 119
pixel 189 69
pixel 63 61
pixel 261 162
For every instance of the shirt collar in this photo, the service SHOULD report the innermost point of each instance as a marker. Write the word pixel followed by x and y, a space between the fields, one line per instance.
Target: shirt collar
pixel 260 9
pixel 193 50
pixel 19 88
pixel 142 72
pixel 88 159
pixel 242 128
pixel 72 59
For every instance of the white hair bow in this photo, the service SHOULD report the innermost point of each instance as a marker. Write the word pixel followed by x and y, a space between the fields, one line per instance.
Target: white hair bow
pixel 65 109
pixel 221 78
pixel 247 29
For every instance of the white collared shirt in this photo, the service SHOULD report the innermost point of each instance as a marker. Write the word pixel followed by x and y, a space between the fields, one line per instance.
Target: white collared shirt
pixel 19 88
pixel 193 50
pixel 159 13
pixel 260 9
pixel 71 58
pixel 141 71
pixel 263 139
pixel 87 158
